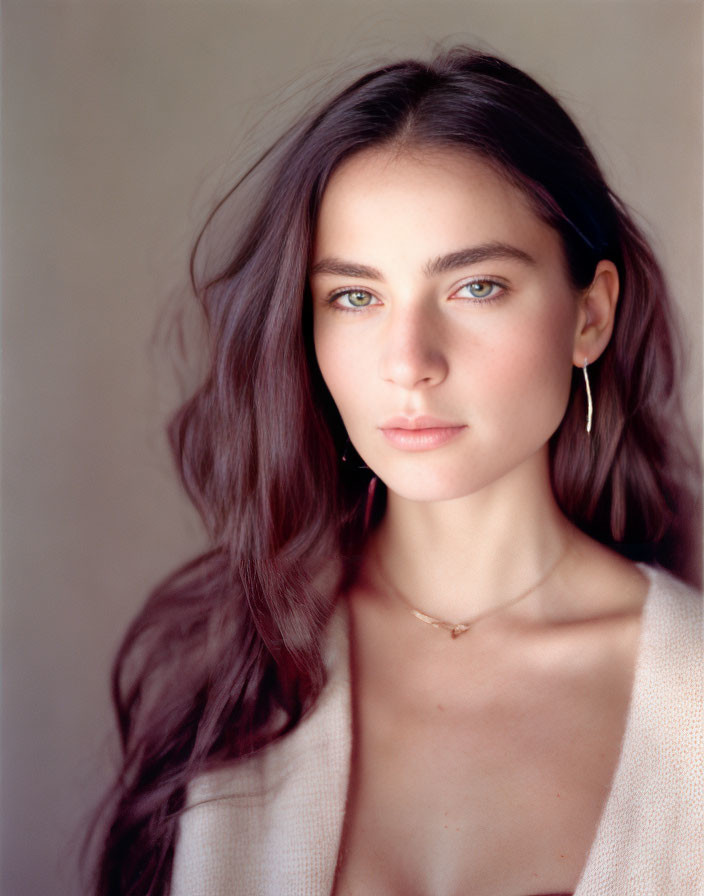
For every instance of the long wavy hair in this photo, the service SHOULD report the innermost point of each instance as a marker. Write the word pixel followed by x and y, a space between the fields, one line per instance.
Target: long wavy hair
pixel 225 656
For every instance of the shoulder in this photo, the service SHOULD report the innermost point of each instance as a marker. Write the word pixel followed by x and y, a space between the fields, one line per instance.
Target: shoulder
pixel 684 599
pixel 672 650
pixel 672 621
pixel 664 736
pixel 649 838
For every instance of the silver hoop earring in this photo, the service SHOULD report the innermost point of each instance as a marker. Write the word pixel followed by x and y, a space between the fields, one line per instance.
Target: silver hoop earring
pixel 590 406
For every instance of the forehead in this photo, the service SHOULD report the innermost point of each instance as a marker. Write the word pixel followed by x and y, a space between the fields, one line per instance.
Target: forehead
pixel 432 198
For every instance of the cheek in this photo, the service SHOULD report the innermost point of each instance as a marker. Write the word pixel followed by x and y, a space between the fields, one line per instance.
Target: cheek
pixel 531 368
pixel 552 372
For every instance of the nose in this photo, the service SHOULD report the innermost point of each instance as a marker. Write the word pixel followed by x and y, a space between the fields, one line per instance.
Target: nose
pixel 412 354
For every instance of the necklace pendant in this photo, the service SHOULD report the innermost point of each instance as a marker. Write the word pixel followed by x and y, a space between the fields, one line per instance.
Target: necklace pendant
pixel 459 629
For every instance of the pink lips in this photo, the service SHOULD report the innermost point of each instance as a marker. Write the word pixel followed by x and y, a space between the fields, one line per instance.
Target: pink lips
pixel 419 433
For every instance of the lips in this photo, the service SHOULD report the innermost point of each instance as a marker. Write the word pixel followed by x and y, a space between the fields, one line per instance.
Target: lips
pixel 418 423
pixel 420 433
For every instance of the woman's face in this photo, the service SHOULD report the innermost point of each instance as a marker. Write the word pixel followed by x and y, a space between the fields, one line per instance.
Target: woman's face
pixel 444 320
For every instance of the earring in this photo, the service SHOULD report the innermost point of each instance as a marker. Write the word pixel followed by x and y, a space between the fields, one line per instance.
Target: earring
pixel 590 406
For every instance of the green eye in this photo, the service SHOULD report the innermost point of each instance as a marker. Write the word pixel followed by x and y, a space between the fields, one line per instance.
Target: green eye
pixel 359 299
pixel 480 289
pixel 348 299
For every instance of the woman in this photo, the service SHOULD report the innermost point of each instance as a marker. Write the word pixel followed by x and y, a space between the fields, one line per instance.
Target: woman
pixel 418 659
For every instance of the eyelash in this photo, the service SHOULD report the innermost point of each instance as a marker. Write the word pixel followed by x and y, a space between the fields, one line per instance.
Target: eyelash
pixel 483 300
pixel 475 300
pixel 346 292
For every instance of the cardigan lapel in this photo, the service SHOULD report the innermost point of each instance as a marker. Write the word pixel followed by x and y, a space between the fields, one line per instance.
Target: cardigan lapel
pixel 272 824
pixel 309 778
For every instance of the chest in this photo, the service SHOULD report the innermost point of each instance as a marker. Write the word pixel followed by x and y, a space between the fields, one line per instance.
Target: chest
pixel 487 778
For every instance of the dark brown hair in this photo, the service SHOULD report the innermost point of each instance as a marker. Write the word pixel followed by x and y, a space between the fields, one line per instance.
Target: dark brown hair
pixel 226 654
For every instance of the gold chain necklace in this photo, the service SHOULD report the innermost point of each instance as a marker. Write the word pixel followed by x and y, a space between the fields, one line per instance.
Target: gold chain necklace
pixel 459 628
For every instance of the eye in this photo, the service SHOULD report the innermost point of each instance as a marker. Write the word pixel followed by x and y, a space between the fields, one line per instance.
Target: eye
pixel 481 290
pixel 349 299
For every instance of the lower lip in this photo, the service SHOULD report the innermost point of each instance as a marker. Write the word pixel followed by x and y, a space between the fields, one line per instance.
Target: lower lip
pixel 421 439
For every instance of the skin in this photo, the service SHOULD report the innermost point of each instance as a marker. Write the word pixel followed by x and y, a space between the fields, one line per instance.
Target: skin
pixel 408 322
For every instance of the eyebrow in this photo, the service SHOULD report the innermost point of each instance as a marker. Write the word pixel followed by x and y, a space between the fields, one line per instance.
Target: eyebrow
pixel 439 265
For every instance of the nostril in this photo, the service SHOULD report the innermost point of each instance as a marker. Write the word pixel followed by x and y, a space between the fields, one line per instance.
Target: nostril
pixel 414 371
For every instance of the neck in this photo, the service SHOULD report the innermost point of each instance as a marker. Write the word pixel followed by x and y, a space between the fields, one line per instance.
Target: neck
pixel 457 560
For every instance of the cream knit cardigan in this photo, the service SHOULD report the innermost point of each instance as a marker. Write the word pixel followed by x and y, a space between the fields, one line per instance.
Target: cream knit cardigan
pixel 271 825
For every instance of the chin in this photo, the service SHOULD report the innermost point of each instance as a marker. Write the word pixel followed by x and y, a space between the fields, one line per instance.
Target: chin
pixel 425 479
pixel 427 496
pixel 428 488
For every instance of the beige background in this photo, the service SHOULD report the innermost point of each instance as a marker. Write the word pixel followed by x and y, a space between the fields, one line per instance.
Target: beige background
pixel 121 122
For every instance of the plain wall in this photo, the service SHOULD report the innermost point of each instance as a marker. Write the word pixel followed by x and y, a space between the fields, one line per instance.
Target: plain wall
pixel 121 122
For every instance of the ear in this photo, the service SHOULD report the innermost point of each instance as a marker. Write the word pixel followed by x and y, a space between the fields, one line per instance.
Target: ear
pixel 597 310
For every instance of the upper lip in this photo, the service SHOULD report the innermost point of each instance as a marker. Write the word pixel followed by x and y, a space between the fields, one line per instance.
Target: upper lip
pixel 422 422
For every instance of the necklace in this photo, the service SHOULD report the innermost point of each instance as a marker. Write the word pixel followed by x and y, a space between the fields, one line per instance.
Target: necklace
pixel 459 628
